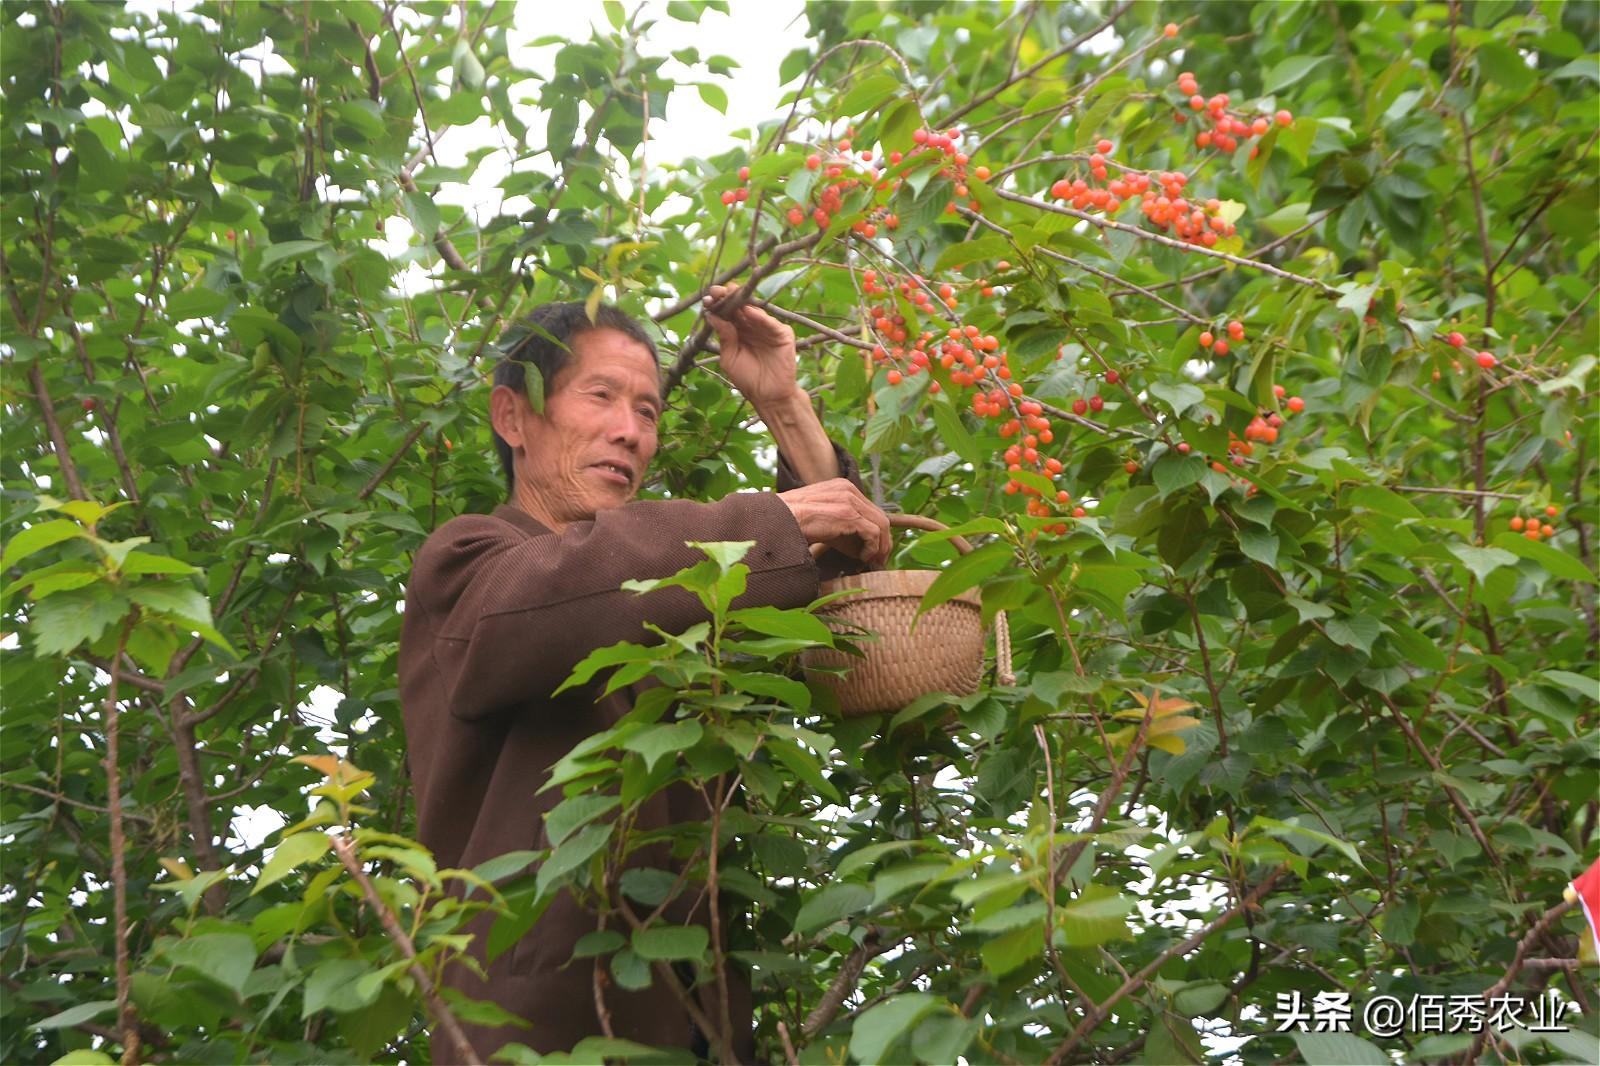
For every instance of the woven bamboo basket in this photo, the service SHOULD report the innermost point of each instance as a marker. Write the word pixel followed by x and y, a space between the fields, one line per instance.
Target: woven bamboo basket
pixel 940 652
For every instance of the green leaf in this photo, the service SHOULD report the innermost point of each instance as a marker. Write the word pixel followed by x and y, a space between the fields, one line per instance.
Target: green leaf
pixel 725 553
pixel 1338 1049
pixel 775 687
pixel 572 855
pixel 900 124
pixel 294 851
pixel 776 622
pixel 1289 71
pixel 598 942
pixel 631 972
pixel 1482 561
pixel 468 70
pixel 977 250
pixel 1379 499
pixel 831 903
pixel 876 1029
pixel 1558 562
pixel 867 95
pixel 1356 631
pixel 138 562
pixel 1007 952
pixel 668 942
pixel 1174 472
pixel 803 765
pixel 277 253
pixel 68 619
pixel 575 811
pixel 533 387
pixel 657 741
pixel 1095 917
pixel 226 958
pixel 954 432
pixel 38 537
pixel 1199 998
pixel 515 862
pixel 714 95
pixel 337 985
pixel 82 1012
pixel 84 1057
pixel 1259 544
pixel 966 572
pixel 1309 611
pixel 1180 396
pixel 182 602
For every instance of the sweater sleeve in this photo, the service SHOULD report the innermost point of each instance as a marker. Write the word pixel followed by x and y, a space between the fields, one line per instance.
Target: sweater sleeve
pixel 508 615
pixel 832 564
pixel 787 479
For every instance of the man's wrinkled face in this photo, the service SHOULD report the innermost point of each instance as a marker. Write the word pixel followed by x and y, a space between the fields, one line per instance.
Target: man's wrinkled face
pixel 589 450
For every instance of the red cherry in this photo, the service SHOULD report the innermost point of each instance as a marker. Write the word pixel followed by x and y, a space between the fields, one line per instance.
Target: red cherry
pixel 813 162
pixel 1221 348
pixel 796 216
pixel 1206 339
pixel 894 377
pixel 89 403
pixel 1170 29
pixel 1295 404
pixel 1080 407
pixel 1552 510
pixel 1131 467
pixel 744 173
pixel 1486 360
pixel 1096 403
pixel 1455 340
pixel 231 236
pixel 1284 118
pixel 1183 447
pixel 1112 377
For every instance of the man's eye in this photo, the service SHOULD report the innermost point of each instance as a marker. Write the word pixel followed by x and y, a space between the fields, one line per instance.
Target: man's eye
pixel 649 413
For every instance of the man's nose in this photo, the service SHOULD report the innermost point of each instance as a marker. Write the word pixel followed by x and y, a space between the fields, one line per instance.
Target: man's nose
pixel 627 427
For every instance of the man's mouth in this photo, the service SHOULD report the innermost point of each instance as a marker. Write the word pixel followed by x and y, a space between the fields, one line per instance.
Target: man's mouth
pixel 621 473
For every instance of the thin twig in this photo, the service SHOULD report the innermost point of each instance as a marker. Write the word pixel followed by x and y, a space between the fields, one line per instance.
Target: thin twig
pixel 119 871
pixel 983 98
pixel 344 847
pixel 1182 246
pixel 1139 979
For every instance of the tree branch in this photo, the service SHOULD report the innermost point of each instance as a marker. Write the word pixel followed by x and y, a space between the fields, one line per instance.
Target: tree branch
pixel 1138 980
pixel 344 847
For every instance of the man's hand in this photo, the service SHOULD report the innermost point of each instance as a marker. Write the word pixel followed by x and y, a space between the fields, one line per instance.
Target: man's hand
pixel 836 515
pixel 758 353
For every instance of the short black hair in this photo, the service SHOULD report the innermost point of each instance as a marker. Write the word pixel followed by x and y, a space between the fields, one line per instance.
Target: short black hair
pixel 544 338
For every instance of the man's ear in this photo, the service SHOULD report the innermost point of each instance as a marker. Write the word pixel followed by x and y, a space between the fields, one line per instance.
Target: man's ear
pixel 506 407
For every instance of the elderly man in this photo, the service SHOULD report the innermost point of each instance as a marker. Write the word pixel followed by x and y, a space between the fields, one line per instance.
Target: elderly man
pixel 500 607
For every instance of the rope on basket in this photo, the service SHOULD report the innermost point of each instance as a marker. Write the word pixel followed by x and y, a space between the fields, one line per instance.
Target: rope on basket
pixel 1004 675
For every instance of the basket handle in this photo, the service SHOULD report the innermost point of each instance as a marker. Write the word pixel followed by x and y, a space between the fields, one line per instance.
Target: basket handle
pixel 1003 672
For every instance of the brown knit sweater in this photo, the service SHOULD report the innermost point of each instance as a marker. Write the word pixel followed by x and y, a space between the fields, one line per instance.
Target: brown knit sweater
pixel 498 611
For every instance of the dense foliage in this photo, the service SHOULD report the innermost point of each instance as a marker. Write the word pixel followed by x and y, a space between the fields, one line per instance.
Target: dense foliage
pixel 1255 353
